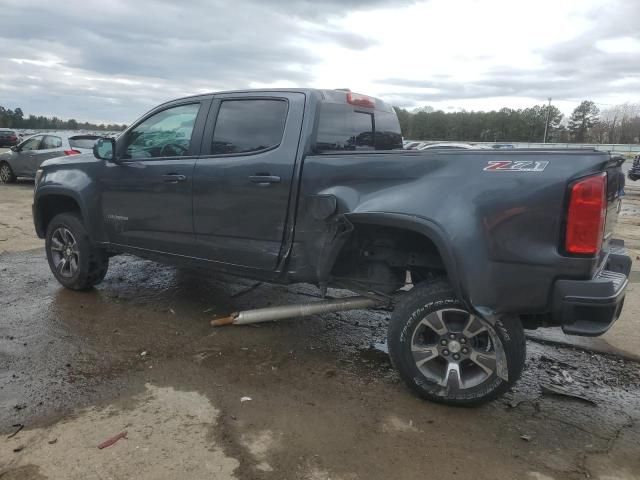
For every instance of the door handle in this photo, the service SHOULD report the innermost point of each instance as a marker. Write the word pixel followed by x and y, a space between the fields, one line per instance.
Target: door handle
pixel 173 178
pixel 264 179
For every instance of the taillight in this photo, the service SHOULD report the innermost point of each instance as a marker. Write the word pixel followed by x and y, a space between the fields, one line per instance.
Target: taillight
pixel 72 152
pixel 361 100
pixel 586 215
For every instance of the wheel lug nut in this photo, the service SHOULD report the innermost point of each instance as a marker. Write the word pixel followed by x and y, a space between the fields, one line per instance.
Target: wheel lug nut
pixel 456 357
pixel 452 335
pixel 463 340
pixel 445 352
pixel 465 350
pixel 443 342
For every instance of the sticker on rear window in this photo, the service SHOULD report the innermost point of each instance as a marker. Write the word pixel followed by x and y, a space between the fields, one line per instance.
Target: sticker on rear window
pixel 509 166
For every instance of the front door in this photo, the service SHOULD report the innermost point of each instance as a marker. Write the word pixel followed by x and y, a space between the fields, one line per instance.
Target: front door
pixel 243 179
pixel 25 156
pixel 147 193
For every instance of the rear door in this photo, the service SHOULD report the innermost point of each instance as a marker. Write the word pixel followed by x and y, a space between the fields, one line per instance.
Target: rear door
pixel 50 147
pixel 147 194
pixel 243 179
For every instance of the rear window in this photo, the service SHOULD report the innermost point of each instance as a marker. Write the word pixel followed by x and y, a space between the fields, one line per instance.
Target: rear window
pixel 86 141
pixel 247 126
pixel 343 128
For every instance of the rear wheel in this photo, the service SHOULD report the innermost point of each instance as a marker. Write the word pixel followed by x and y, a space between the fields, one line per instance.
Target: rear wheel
pixel 73 260
pixel 447 354
pixel 6 174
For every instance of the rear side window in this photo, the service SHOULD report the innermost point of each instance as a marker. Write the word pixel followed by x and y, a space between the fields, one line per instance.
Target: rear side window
pixel 245 126
pixel 51 142
pixel 86 141
pixel 342 128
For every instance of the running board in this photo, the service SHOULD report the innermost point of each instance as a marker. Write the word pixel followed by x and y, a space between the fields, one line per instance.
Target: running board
pixel 297 311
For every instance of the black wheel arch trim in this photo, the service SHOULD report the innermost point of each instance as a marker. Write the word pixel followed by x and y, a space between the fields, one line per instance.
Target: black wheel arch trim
pixel 50 191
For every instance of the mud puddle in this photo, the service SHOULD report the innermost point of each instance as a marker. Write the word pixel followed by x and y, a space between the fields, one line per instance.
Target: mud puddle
pixel 295 399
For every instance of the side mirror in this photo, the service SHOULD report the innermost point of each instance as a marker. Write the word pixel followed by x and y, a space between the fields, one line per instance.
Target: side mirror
pixel 14 148
pixel 104 149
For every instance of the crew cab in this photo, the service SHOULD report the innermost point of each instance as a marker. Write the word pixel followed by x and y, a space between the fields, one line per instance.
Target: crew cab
pixel 469 247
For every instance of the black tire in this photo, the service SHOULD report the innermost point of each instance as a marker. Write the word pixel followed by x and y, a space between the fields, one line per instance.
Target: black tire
pixel 633 177
pixel 412 340
pixel 6 174
pixel 91 263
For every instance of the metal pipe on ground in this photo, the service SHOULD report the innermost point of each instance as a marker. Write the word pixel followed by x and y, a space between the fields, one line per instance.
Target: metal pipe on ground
pixel 296 311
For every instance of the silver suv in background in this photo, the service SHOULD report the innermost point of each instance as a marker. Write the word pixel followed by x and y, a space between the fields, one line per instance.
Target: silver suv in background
pixel 24 159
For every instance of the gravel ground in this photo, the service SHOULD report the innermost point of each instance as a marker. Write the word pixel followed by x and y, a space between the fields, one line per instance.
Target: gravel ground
pixel 299 399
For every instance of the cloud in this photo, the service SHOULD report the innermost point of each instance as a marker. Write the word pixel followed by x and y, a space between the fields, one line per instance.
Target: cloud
pixel 600 62
pixel 112 63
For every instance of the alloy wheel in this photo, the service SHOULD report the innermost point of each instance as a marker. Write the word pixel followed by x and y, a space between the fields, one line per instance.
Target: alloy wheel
pixel 455 349
pixel 65 252
pixel 5 173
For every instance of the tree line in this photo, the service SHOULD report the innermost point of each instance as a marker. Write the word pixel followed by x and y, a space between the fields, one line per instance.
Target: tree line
pixel 16 119
pixel 587 124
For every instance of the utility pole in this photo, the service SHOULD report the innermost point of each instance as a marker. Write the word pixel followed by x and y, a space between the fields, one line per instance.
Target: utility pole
pixel 546 122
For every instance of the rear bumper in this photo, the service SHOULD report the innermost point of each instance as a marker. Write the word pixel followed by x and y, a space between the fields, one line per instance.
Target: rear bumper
pixel 590 307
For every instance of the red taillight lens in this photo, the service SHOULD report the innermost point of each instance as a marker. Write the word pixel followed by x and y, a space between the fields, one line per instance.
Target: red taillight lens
pixel 586 215
pixel 361 100
pixel 72 152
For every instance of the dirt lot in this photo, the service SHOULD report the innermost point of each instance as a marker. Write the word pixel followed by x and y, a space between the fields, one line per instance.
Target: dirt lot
pixel 301 399
pixel 16 223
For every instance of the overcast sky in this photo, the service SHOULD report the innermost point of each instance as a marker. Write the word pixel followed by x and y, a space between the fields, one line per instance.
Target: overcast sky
pixel 114 59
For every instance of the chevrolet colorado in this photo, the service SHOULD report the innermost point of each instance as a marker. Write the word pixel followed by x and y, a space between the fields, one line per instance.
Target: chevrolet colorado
pixel 305 185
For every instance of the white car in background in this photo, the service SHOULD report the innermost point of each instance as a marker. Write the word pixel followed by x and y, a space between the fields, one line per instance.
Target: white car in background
pixel 450 146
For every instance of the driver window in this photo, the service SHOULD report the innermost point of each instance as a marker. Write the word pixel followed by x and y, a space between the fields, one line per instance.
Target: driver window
pixel 164 134
pixel 31 144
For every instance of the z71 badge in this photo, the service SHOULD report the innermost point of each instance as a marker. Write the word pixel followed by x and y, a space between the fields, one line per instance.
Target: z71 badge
pixel 509 166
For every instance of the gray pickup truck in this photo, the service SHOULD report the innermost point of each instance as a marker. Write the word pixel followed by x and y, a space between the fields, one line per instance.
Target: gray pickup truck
pixel 469 247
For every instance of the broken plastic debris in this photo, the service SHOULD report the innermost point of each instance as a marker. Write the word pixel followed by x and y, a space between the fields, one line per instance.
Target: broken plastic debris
pixel 526 438
pixel 143 354
pixel 565 392
pixel 245 399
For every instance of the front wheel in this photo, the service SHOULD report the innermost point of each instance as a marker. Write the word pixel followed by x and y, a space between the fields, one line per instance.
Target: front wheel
pixel 73 259
pixel 6 174
pixel 446 354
